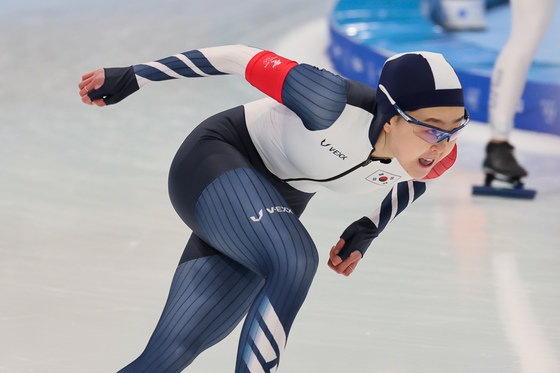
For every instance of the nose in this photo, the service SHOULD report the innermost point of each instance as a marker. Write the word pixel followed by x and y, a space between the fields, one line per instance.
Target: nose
pixel 441 146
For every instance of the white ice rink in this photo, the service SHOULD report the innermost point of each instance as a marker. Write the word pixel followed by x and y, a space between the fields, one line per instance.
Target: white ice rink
pixel 89 240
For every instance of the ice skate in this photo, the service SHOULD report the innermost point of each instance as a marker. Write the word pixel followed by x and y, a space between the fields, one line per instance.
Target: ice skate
pixel 501 167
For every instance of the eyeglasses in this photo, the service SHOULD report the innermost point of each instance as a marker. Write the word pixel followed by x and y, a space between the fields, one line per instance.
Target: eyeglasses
pixel 427 132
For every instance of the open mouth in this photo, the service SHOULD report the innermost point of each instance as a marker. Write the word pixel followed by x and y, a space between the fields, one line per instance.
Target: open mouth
pixel 426 162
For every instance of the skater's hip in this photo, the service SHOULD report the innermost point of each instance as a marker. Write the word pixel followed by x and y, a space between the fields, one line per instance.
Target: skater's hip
pixel 219 144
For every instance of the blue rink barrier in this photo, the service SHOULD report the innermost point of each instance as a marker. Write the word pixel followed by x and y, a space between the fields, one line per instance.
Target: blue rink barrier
pixel 364 33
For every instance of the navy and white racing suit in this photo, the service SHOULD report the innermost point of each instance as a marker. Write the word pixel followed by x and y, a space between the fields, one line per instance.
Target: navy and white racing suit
pixel 241 180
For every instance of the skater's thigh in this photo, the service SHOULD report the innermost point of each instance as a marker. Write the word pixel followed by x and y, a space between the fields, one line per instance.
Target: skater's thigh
pixel 242 215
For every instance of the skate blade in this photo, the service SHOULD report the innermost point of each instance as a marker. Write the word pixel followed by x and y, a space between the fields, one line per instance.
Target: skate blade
pixel 519 193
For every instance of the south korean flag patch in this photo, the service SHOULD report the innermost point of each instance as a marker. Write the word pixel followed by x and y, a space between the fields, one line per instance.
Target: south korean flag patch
pixel 381 177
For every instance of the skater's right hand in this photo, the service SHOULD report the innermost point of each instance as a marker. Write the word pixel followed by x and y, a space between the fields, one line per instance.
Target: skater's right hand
pixel 91 81
pixel 108 86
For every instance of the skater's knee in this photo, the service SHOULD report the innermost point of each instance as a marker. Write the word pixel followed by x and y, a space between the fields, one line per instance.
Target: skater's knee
pixel 305 266
pixel 309 262
pixel 299 259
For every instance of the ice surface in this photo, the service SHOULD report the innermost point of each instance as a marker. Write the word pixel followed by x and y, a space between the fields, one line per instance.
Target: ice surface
pixel 89 240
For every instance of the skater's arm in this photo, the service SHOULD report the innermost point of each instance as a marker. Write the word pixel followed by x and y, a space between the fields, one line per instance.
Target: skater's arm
pixel 317 96
pixel 224 60
pixel 356 239
pixel 110 85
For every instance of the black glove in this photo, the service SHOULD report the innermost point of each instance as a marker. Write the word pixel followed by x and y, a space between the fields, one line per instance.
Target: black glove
pixel 119 83
pixel 358 237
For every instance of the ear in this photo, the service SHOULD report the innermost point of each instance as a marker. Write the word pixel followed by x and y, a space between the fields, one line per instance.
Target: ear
pixel 388 126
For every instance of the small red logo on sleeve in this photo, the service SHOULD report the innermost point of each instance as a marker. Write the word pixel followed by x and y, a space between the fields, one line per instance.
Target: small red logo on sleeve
pixel 271 60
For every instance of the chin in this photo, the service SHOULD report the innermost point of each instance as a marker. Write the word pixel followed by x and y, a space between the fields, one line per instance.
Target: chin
pixel 418 172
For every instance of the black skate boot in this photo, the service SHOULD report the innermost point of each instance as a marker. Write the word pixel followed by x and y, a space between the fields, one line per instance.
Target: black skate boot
pixel 500 164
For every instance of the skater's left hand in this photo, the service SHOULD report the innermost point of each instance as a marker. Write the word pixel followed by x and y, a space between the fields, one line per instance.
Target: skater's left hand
pixel 344 267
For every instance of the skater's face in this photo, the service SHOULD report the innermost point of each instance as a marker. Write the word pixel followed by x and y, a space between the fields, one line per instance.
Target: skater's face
pixel 406 141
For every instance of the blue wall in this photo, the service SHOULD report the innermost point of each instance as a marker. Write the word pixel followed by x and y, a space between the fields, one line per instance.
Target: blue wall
pixel 364 33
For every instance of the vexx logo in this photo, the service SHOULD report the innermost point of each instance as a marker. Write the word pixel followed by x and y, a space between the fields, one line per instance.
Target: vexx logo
pixel 333 150
pixel 271 210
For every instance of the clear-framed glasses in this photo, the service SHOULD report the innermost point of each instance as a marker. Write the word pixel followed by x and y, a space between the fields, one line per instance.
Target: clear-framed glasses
pixel 426 131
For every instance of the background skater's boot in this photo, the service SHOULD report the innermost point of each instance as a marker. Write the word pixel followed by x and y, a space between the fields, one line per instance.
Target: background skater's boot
pixel 500 164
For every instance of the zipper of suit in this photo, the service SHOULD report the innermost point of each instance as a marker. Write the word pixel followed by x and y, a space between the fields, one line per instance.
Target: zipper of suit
pixel 369 159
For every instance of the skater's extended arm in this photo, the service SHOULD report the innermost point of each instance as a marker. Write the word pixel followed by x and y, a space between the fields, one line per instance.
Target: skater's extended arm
pixel 110 85
pixel 317 96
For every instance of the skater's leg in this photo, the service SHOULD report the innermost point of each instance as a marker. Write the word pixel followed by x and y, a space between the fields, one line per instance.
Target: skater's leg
pixel 530 20
pixel 209 295
pixel 243 216
pixel 217 187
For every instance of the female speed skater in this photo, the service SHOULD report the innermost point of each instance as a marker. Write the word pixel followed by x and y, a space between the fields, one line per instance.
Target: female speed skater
pixel 242 178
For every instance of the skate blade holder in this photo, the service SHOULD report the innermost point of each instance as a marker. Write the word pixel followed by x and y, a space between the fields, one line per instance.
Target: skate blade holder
pixel 515 190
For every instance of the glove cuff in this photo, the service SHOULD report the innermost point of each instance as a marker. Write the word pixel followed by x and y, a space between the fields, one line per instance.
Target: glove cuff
pixel 358 237
pixel 120 82
pixel 364 226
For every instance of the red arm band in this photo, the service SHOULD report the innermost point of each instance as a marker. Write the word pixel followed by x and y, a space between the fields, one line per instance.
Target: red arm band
pixel 267 71
pixel 443 165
